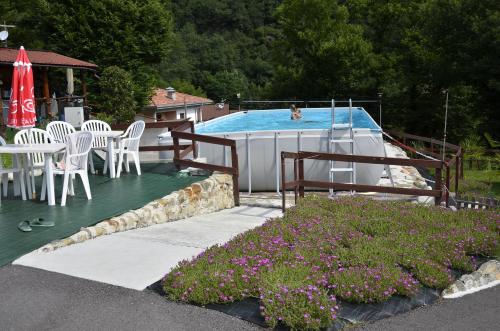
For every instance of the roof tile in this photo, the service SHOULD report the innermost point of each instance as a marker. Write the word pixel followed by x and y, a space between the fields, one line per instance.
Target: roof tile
pixel 160 99
pixel 44 58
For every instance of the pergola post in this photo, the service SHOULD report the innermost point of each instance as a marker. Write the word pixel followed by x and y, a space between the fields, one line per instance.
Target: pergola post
pixel 84 87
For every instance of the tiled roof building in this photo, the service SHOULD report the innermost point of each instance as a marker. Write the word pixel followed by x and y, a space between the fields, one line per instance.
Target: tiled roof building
pixel 168 104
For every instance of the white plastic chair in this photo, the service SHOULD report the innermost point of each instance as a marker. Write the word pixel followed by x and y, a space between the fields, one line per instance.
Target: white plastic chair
pixel 78 146
pixel 98 143
pixel 129 145
pixel 4 175
pixel 35 160
pixel 33 136
pixel 59 130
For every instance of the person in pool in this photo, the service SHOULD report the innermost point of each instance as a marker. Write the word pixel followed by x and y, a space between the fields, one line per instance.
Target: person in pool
pixel 296 114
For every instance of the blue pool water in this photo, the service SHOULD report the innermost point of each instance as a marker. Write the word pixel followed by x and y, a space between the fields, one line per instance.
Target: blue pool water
pixel 279 119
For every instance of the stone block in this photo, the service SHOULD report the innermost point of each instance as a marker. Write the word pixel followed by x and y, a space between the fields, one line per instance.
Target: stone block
pixel 490 267
pixel 80 236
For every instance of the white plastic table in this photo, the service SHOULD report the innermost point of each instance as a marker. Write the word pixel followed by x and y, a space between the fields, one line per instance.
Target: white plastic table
pixel 110 136
pixel 48 150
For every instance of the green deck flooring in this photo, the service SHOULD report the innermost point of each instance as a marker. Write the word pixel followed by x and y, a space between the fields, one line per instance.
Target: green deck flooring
pixel 110 197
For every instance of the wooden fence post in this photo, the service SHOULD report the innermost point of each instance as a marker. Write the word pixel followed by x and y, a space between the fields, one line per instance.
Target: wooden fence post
pixel 176 153
pixel 447 187
pixel 462 164
pixel 457 174
pixel 195 152
pixel 301 176
pixel 234 165
pixel 439 185
pixel 295 178
pixel 283 189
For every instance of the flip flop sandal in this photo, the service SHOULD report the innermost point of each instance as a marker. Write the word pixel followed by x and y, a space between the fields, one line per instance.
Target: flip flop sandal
pixel 24 226
pixel 41 222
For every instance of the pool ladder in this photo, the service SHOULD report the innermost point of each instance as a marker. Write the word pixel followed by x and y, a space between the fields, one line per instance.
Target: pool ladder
pixel 350 169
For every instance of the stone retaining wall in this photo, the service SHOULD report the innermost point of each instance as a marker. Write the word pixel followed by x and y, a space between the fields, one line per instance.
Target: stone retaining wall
pixel 207 196
pixel 404 176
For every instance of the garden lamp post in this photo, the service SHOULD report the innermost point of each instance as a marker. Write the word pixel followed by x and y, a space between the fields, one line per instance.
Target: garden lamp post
pixel 380 109
pixel 238 95
pixel 445 122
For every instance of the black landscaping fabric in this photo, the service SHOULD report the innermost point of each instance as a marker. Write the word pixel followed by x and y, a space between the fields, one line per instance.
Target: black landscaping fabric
pixel 349 313
pixel 356 313
pixel 248 309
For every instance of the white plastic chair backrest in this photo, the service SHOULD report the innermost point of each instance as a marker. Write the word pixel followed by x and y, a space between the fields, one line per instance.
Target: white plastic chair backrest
pixel 97 126
pixel 59 130
pixel 78 145
pixel 33 136
pixel 133 135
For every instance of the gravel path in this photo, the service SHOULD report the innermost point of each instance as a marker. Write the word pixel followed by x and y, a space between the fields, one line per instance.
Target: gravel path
pixel 34 299
pixel 476 311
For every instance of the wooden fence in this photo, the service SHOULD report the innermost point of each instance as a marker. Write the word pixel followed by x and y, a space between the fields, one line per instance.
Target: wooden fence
pixel 184 129
pixel 180 155
pixel 299 182
pixel 454 156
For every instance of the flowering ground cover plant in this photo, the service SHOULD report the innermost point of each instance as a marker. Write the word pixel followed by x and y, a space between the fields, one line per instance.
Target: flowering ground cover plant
pixel 325 251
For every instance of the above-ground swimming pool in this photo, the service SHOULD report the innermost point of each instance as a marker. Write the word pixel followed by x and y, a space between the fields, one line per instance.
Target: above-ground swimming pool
pixel 261 136
pixel 279 119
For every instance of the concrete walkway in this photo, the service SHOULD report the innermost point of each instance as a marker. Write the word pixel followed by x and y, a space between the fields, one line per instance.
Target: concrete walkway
pixel 136 259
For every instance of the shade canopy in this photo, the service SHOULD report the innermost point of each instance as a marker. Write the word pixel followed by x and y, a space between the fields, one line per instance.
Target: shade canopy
pixel 22 97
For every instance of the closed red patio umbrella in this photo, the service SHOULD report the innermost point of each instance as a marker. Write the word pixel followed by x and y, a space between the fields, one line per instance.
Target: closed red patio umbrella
pixel 22 97
pixel 22 113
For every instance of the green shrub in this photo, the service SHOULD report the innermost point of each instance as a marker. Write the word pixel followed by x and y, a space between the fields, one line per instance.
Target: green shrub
pixel 116 99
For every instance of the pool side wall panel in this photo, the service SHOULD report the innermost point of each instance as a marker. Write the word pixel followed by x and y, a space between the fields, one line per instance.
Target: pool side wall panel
pixel 263 154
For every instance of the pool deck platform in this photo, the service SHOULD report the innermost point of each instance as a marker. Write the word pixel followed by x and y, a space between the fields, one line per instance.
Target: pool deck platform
pixel 110 197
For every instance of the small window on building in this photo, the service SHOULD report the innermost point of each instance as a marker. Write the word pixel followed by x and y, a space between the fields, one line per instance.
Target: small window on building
pixel 158 116
pixel 181 115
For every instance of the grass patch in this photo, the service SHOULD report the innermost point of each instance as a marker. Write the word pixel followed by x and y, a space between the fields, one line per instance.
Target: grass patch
pixel 481 182
pixel 351 249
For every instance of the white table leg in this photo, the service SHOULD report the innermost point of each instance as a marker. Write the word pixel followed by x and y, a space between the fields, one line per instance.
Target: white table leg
pixel 19 178
pixel 16 164
pixel 27 176
pixel 111 157
pixel 50 179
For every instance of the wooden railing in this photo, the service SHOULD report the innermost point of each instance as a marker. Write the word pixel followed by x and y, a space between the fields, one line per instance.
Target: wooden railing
pixel 454 156
pixel 299 182
pixel 180 155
